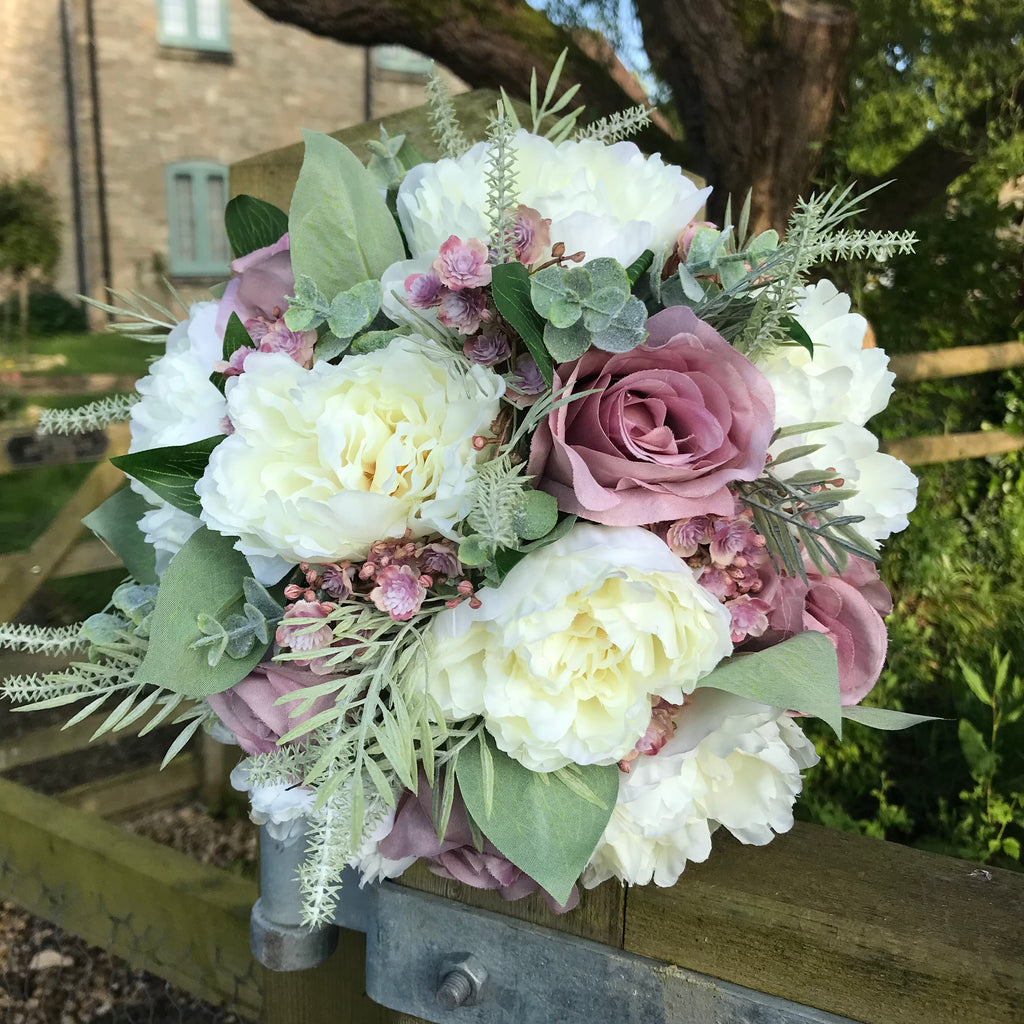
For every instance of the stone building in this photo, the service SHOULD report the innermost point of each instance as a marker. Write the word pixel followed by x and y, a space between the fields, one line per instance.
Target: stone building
pixel 131 111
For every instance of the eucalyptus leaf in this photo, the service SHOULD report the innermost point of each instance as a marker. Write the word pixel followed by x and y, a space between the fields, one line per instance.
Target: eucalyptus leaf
pixel 171 472
pixel 341 230
pixel 116 523
pixel 373 340
pixel 885 718
pixel 692 288
pixel 204 578
pixel 353 309
pixel 566 344
pixel 252 224
pixel 475 550
pixel 540 824
pixel 626 329
pixel 800 674
pixel 511 290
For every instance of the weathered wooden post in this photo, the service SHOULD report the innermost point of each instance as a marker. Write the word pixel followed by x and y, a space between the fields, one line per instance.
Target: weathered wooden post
pixel 819 926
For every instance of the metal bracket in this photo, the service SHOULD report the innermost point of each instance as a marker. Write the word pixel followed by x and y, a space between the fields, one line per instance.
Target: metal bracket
pixel 443 961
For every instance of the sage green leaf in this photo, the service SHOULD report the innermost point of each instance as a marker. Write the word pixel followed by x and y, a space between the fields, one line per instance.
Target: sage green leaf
pixel 540 824
pixel 602 306
pixel 692 288
pixel 352 310
pixel 564 310
pixel 203 579
pixel 475 549
pixel 546 287
pixel 116 523
pixel 568 343
pixel 341 230
pixel 800 674
pixel 626 330
pixel 253 224
pixel 511 290
pixel 537 515
pixel 764 243
pixel 885 718
pixel 373 340
pixel 171 472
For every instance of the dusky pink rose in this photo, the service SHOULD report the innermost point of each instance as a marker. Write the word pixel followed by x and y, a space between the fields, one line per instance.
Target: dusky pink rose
pixel 848 609
pixel 672 424
pixel 456 856
pixel 249 710
pixel 262 280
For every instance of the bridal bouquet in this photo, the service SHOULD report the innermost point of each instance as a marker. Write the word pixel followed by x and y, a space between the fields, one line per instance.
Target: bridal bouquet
pixel 505 513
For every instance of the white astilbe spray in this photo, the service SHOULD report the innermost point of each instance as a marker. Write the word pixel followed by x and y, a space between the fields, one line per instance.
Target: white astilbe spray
pixel 53 640
pixel 94 416
pixel 444 122
pixel 618 126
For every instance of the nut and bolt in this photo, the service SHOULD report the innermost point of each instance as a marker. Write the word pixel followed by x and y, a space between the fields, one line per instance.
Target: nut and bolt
pixel 461 981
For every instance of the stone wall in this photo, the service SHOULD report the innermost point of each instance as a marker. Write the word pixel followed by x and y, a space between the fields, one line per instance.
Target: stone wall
pixel 159 105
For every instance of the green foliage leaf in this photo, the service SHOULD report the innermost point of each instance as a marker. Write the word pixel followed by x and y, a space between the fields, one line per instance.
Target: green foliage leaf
pixel 252 224
pixel 510 288
pixel 341 230
pixel 203 579
pixel 539 823
pixel 626 329
pixel 568 343
pixel 885 718
pixel 639 266
pixel 800 674
pixel 171 472
pixel 116 523
pixel 475 550
pixel 981 761
pixel 373 340
pixel 392 157
pixel 352 310
pixel 796 331
pixel 235 336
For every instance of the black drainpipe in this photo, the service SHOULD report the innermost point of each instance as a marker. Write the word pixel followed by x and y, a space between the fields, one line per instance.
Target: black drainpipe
pixel 97 139
pixel 74 152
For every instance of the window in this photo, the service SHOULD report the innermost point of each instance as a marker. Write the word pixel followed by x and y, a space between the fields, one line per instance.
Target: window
pixel 401 59
pixel 194 24
pixel 196 196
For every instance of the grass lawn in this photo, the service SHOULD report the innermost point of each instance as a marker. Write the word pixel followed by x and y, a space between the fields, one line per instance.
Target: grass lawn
pixel 85 353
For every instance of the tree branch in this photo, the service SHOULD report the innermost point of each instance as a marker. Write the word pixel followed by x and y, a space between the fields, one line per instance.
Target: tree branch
pixel 488 43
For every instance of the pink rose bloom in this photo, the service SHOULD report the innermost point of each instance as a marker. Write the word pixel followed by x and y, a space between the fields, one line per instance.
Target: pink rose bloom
pixel 462 264
pixel 262 280
pixel 848 609
pixel 250 711
pixel 456 856
pixel 672 424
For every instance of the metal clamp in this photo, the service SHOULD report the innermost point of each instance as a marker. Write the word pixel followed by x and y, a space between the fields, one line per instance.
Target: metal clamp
pixel 513 972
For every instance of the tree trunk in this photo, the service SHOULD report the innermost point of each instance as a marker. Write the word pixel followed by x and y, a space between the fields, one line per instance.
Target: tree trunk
pixel 755 83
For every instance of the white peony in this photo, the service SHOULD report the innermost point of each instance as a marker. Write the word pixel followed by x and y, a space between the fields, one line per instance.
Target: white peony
pixel 844 381
pixel 731 762
pixel 178 405
pixel 282 808
pixel 324 462
pixel 843 384
pixel 562 659
pixel 604 200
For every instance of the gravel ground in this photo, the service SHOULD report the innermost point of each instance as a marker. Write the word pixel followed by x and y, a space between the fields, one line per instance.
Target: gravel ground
pixel 50 977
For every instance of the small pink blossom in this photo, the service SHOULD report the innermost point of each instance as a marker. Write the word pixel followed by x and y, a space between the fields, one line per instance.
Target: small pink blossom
pixel 424 290
pixel 749 617
pixel 299 636
pixel 440 558
pixel 274 336
pixel 732 540
pixel 462 264
pixel 399 592
pixel 464 310
pixel 688 233
pixel 532 235
pixel 487 349
pixel 686 535
pixel 338 580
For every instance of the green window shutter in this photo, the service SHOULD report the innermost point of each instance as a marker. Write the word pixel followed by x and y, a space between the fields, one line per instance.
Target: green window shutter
pixel 197 193
pixel 193 24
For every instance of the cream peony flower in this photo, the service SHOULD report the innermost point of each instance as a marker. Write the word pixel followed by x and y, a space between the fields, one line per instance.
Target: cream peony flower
pixel 731 762
pixel 324 462
pixel 179 405
pixel 562 659
pixel 843 384
pixel 843 381
pixel 605 200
